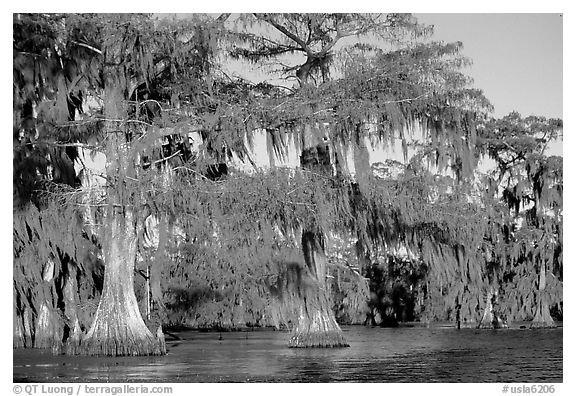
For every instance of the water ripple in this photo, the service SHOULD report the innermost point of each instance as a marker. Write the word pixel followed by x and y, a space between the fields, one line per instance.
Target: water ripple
pixel 375 355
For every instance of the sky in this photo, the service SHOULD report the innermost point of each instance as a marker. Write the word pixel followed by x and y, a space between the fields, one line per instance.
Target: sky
pixel 517 58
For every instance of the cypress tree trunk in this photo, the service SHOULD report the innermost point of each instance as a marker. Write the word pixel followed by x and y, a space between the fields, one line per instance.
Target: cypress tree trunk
pixel 488 317
pixel 18 337
pixel 542 318
pixel 48 332
pixel 316 326
pixel 70 296
pixel 118 328
pixel 155 256
pixel 491 319
pixel 27 321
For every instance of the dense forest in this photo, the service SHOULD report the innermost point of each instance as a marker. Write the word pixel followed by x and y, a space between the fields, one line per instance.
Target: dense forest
pixel 179 227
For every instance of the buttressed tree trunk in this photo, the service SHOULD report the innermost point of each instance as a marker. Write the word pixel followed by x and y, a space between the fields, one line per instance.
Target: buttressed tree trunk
pixel 19 336
pixel 491 319
pixel 154 242
pixel 316 325
pixel 542 318
pixel 118 328
pixel 488 316
pixel 70 297
pixel 48 329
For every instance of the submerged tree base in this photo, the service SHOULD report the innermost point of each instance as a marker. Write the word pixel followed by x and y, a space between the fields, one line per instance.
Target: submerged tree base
pixel 542 319
pixel 325 339
pixel 317 328
pixel 113 346
pixel 492 321
pixel 118 328
pixel 543 325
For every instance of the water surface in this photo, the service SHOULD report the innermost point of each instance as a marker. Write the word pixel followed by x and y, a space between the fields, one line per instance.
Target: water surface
pixel 404 354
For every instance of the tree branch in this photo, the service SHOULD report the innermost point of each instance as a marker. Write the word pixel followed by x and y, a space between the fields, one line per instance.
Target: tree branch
pixel 223 17
pixel 79 145
pixel 94 49
pixel 285 31
pixel 166 158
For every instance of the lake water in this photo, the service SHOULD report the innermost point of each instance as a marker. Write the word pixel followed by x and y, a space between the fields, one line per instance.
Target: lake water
pixel 404 354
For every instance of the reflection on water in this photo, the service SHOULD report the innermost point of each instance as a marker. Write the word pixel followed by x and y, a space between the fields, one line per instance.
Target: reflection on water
pixel 376 355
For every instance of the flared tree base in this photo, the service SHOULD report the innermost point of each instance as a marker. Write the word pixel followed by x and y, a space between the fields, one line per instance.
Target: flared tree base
pixel 542 325
pixel 126 346
pixel 494 322
pixel 490 319
pixel 17 342
pixel 117 340
pixel 48 331
pixel 542 319
pixel 328 339
pixel 317 328
pixel 18 339
pixel 118 328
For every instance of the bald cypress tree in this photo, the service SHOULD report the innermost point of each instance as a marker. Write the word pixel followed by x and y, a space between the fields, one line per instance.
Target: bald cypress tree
pixel 47 91
pixel 109 64
pixel 529 182
pixel 366 77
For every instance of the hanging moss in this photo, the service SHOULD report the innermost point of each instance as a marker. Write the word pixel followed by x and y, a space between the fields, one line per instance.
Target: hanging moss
pixel 49 246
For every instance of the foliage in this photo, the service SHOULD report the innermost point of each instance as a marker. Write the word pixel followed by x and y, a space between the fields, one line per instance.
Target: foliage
pixel 43 263
pixel 530 184
pixel 255 215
